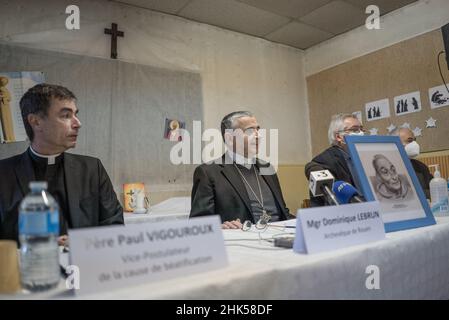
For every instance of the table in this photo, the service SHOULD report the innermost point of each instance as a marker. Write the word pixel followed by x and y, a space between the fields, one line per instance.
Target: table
pixel 413 264
pixel 170 209
pixel 153 217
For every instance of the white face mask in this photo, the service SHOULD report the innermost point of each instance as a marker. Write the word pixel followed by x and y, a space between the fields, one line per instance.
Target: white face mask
pixel 412 149
pixel 360 133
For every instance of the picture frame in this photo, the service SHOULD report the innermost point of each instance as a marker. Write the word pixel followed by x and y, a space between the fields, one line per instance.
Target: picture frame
pixel 172 130
pixel 384 173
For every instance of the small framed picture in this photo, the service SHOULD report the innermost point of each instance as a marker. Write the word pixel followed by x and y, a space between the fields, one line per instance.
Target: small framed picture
pixel 385 174
pixel 172 130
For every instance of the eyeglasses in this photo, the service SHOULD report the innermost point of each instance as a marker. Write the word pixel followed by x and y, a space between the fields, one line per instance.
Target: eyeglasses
pixel 261 224
pixel 353 129
pixel 251 131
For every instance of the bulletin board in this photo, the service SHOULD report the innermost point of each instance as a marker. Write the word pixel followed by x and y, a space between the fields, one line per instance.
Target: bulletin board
pixel 123 108
pixel 402 68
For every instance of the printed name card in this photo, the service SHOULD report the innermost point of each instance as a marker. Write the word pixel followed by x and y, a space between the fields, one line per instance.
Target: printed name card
pixel 334 227
pixel 122 256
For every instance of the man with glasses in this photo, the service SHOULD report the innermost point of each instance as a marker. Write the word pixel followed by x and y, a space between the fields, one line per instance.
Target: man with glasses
pixel 238 186
pixel 336 158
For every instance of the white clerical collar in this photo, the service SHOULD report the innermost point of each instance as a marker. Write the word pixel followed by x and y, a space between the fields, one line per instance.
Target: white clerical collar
pixel 241 160
pixel 51 158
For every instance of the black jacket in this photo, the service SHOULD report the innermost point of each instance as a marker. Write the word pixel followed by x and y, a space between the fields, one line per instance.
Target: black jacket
pixel 91 197
pixel 218 189
pixel 331 159
pixel 423 174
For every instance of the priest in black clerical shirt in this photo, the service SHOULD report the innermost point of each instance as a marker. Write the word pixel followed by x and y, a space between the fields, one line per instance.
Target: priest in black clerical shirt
pixel 51 169
pixel 79 184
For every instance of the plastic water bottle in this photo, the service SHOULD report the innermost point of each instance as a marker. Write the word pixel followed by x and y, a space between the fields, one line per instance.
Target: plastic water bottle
pixel 38 236
pixel 438 194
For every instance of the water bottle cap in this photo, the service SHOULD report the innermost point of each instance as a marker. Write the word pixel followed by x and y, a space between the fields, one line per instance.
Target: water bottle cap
pixel 38 185
pixel 437 173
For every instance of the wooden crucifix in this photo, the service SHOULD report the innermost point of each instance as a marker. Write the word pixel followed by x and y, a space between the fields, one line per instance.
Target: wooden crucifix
pixel 114 32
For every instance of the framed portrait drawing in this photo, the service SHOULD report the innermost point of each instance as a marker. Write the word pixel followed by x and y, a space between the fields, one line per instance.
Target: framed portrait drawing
pixel 385 174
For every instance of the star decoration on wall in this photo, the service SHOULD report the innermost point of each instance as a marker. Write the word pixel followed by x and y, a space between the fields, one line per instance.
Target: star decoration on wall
pixel 431 123
pixel 406 125
pixel 391 128
pixel 373 131
pixel 417 132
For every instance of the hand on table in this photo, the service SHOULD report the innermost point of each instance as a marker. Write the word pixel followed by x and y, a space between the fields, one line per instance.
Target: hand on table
pixel 234 224
pixel 63 240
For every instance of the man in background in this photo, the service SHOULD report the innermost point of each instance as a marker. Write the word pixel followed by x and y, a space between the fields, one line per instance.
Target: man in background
pixel 336 158
pixel 412 149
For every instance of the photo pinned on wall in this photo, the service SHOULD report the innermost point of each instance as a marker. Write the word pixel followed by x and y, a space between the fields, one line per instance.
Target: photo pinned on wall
pixel 385 174
pixel 172 130
pixel 358 114
pixel 439 97
pixel 12 87
pixel 407 103
pixel 376 110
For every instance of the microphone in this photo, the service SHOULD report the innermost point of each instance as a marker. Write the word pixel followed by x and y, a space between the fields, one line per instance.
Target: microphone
pixel 346 193
pixel 313 166
pixel 320 184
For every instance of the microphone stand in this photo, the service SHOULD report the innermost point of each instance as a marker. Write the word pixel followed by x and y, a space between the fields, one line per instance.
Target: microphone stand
pixel 330 195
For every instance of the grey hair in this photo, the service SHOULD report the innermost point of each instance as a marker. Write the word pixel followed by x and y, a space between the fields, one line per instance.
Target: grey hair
pixel 337 125
pixel 397 131
pixel 228 121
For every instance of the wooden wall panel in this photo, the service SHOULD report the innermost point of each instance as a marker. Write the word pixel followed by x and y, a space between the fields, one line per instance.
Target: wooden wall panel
pixel 405 67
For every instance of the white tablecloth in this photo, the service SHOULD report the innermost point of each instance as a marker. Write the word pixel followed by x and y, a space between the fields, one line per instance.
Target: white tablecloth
pixel 153 217
pixel 170 209
pixel 413 264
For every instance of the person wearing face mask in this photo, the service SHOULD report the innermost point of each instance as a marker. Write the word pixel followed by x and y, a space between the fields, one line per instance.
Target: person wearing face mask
pixel 412 149
pixel 336 158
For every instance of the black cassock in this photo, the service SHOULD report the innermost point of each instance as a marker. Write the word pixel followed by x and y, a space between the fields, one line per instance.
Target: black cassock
pixel 78 183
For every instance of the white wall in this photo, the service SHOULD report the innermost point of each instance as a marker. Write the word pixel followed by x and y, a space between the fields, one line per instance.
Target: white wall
pixel 405 23
pixel 238 71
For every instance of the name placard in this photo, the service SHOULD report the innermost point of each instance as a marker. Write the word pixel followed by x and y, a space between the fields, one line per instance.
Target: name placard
pixel 121 256
pixel 334 227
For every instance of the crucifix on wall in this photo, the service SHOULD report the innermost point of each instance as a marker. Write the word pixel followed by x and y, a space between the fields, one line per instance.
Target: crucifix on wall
pixel 114 32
